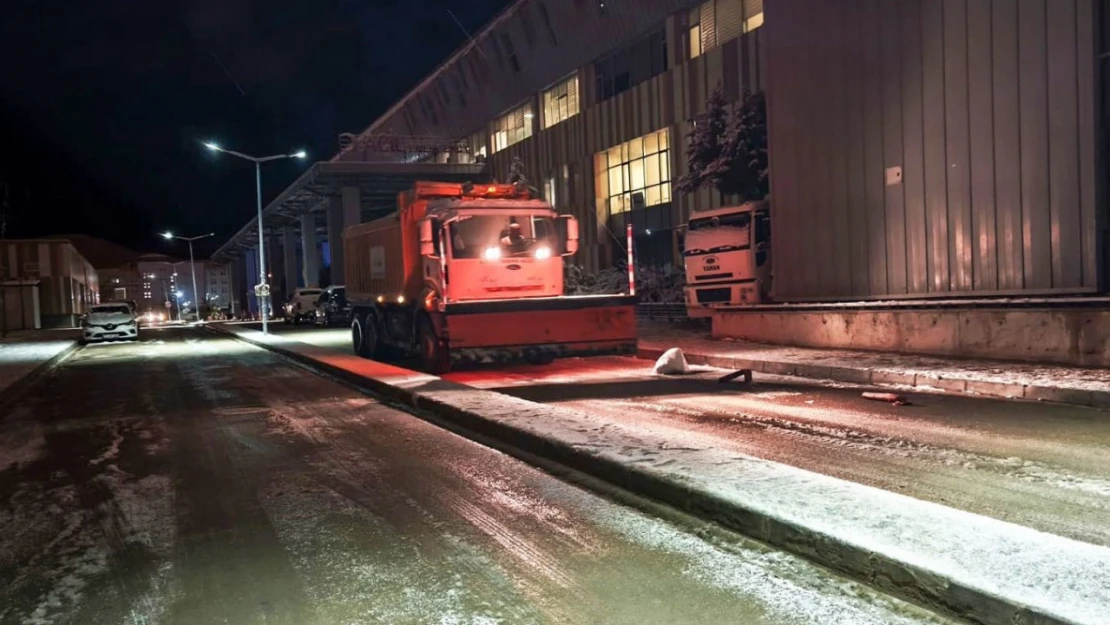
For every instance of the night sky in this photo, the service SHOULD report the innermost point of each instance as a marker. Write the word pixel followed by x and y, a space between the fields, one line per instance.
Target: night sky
pixel 103 103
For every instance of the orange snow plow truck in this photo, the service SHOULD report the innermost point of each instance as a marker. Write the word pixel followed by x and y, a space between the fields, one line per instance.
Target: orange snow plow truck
pixel 466 273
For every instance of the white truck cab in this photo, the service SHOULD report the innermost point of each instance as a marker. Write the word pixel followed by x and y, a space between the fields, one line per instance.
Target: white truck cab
pixel 727 253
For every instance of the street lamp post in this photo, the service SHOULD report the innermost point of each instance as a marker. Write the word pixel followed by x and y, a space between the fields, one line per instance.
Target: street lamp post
pixel 192 265
pixel 262 289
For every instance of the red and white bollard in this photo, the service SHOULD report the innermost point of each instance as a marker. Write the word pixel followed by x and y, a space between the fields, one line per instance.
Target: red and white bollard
pixel 631 265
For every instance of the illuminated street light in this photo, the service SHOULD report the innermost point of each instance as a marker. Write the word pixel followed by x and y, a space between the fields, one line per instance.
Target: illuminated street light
pixel 192 265
pixel 263 289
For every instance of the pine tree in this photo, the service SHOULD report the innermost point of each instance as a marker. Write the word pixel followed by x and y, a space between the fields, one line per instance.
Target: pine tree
pixel 705 148
pixel 742 165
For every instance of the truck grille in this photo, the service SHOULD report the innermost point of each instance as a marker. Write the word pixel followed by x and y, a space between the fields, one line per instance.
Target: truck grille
pixel 713 296
pixel 713 276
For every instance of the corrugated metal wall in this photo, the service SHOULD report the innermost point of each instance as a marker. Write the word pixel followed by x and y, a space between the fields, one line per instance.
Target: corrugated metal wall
pixel 988 107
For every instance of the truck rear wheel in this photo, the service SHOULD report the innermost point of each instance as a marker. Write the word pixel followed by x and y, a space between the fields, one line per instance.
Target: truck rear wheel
pixel 433 352
pixel 364 336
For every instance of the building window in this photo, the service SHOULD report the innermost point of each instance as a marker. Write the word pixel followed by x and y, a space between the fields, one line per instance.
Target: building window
pixel 526 24
pixel 560 102
pixel 119 294
pixel 514 127
pixel 628 67
pixel 714 22
pixel 693 32
pixel 634 174
pixel 510 52
pixel 549 190
pixel 547 23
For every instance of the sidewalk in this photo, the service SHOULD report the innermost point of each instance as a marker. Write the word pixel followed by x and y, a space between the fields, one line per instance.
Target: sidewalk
pixel 1070 385
pixel 25 355
pixel 978 568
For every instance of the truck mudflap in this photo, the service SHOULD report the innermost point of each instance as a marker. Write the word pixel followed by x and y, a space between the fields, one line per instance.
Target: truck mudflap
pixel 541 329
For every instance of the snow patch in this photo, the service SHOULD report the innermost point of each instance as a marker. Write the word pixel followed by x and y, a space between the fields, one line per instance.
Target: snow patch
pixel 672 362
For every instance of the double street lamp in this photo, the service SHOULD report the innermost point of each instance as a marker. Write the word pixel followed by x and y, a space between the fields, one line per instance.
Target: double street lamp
pixel 169 236
pixel 262 290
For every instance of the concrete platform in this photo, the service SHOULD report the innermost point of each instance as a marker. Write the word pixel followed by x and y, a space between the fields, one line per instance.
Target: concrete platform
pixel 967 565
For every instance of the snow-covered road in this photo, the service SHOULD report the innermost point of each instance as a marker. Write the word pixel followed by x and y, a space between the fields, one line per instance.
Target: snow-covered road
pixel 1039 465
pixel 193 479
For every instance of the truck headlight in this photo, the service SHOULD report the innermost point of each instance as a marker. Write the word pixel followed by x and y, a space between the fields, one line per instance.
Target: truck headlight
pixel 542 253
pixel 492 253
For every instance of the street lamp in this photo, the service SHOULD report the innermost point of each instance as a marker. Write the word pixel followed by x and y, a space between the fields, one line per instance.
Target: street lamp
pixel 263 292
pixel 169 236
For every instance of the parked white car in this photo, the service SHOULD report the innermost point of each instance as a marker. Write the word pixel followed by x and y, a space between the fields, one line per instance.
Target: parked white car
pixel 110 322
pixel 302 306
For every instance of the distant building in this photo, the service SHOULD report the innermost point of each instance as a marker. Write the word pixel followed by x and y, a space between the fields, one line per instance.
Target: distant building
pixel 217 284
pixel 46 283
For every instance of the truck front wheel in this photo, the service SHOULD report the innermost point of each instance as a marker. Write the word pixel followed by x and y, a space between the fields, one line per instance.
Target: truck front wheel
pixel 433 352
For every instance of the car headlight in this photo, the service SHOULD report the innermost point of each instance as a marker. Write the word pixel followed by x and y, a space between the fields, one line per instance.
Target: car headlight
pixel 492 253
pixel 542 253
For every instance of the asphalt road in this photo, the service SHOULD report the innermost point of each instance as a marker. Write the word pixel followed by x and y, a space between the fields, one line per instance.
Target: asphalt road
pixel 194 479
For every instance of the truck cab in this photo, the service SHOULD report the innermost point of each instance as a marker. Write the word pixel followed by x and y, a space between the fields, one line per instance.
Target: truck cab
pixel 727 253
pixel 496 249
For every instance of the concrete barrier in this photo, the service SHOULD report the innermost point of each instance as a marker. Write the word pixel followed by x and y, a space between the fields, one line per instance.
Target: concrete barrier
pixel 1077 337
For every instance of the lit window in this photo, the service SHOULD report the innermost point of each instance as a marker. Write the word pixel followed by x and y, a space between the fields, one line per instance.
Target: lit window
pixel 694 32
pixel 514 127
pixel 560 102
pixel 753 15
pixel 633 175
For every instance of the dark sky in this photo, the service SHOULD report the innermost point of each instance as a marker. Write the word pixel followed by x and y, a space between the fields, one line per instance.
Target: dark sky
pixel 102 104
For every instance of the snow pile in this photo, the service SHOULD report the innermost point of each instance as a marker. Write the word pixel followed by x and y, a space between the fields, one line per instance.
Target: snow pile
pixel 672 362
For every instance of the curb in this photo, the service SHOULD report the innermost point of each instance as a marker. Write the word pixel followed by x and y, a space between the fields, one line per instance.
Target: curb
pixel 907 581
pixel 17 389
pixel 878 377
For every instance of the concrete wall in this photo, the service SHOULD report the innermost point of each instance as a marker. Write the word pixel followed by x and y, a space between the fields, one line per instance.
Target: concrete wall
pixel 988 109
pixel 1067 336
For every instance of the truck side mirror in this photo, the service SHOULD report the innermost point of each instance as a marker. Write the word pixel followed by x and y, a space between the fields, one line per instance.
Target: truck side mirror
pixel 572 234
pixel 427 239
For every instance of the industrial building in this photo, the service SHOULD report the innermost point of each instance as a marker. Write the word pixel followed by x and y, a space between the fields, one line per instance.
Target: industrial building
pixel 46 283
pixel 919 149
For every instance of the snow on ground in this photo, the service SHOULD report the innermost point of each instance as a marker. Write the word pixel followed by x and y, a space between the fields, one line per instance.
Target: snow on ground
pixel 17 359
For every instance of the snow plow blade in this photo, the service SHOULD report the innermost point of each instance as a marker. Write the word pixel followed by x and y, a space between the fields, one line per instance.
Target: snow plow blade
pixel 541 329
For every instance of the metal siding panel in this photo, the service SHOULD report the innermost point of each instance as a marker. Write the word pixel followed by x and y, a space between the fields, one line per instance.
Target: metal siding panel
pixel 836 171
pixel 781 141
pixel 981 123
pixel 957 148
pixel 856 171
pixel 1088 202
pixel 875 225
pixel 1033 98
pixel 821 276
pixel 1007 145
pixel 936 174
pixel 913 147
pixel 1063 146
pixel 892 146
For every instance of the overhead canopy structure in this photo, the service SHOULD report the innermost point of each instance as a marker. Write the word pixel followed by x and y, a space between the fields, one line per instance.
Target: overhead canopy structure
pixel 378 184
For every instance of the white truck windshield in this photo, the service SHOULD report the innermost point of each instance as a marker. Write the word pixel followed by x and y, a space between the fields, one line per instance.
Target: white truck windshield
pixel 712 235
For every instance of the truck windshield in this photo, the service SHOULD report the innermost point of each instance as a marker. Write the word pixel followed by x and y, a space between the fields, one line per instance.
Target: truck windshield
pixel 712 235
pixel 472 235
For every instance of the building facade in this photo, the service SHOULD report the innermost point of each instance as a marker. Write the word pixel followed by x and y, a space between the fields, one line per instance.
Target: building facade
pixel 596 99
pixel 217 287
pixel 58 283
pixel 918 148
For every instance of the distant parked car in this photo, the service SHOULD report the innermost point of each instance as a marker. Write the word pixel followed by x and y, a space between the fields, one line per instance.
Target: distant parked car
pixel 302 306
pixel 332 308
pixel 115 321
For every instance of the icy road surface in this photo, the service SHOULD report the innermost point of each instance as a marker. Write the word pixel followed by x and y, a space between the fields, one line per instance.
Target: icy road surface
pixel 1039 465
pixel 192 479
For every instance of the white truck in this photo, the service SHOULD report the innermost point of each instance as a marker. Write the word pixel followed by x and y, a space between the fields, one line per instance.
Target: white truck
pixel 727 253
pixel 302 306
